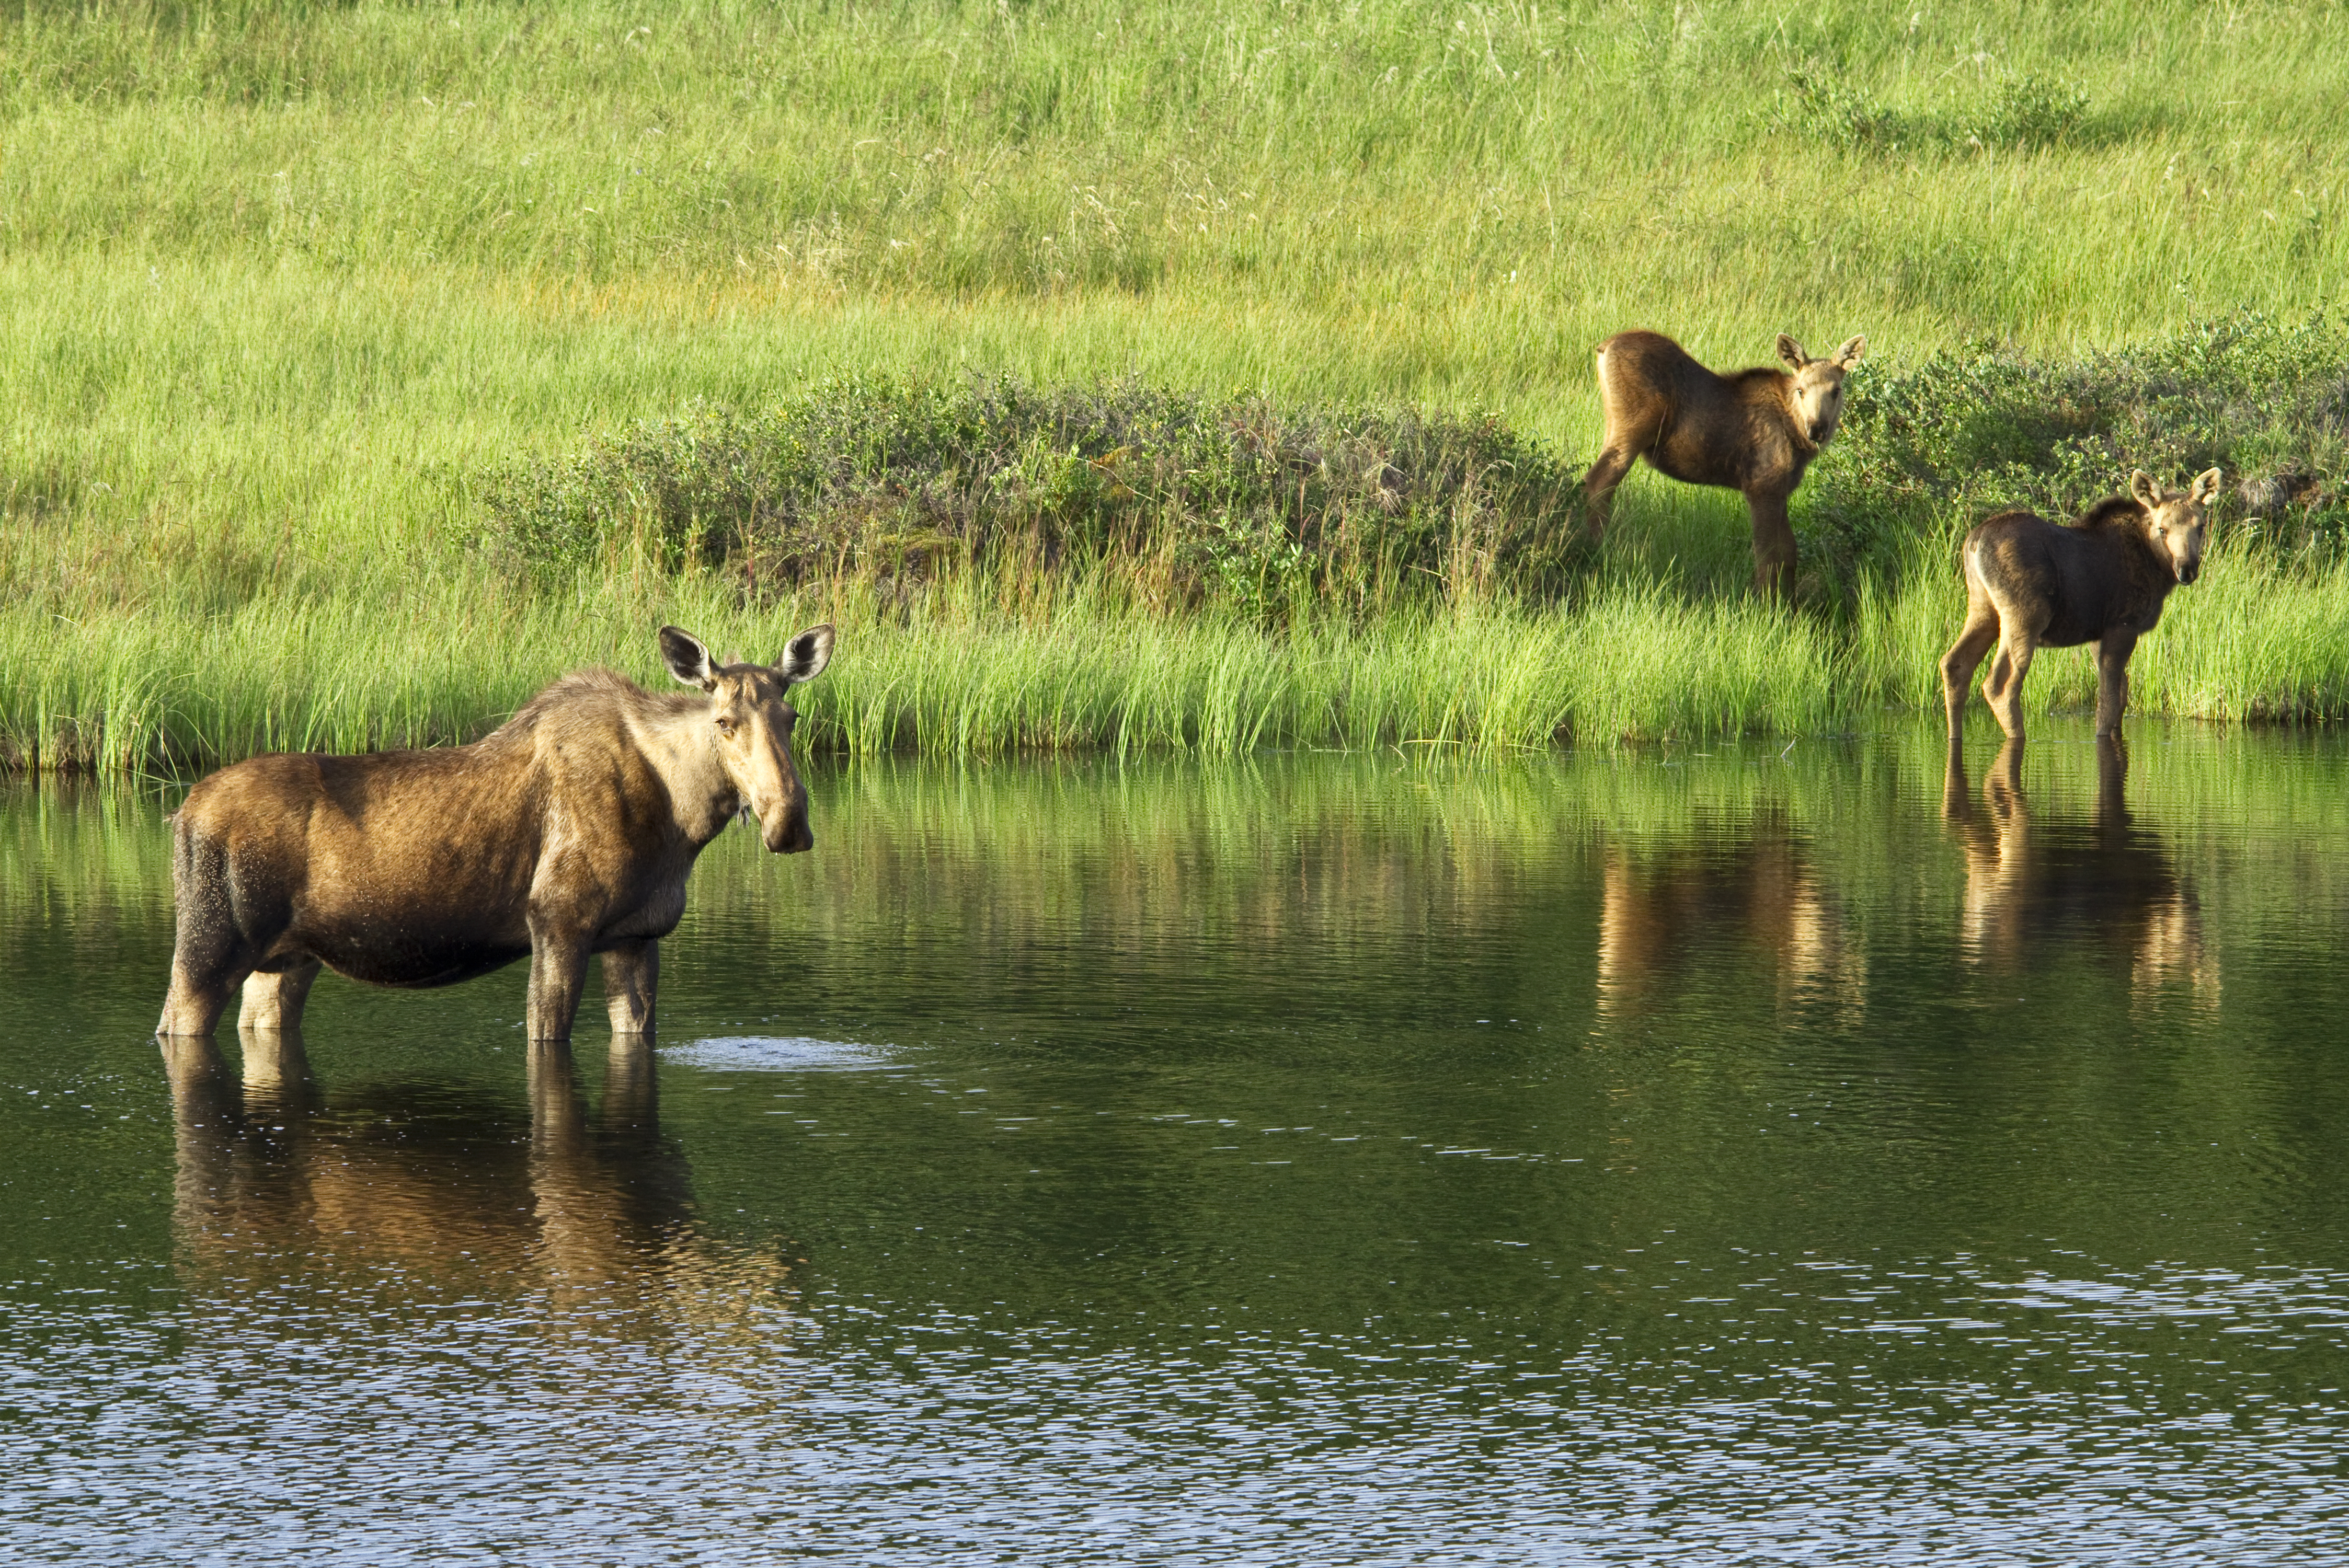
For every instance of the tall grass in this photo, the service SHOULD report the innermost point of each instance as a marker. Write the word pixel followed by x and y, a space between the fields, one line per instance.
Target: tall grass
pixel 277 279
pixel 958 674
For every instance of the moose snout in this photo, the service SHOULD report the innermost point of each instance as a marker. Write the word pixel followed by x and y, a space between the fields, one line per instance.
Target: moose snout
pixel 787 831
pixel 2187 571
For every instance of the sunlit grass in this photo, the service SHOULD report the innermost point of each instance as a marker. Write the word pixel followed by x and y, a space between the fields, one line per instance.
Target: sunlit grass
pixel 275 278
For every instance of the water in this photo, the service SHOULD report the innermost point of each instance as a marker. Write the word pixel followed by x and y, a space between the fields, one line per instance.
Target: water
pixel 1709 1157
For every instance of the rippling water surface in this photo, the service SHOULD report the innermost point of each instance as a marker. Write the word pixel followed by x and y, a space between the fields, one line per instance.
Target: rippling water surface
pixel 1698 1157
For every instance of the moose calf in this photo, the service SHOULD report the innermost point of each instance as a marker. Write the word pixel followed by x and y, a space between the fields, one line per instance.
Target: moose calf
pixel 1753 431
pixel 2031 583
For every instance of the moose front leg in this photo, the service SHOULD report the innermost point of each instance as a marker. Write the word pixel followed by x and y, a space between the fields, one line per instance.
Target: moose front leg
pixel 2113 651
pixel 1773 547
pixel 558 969
pixel 631 972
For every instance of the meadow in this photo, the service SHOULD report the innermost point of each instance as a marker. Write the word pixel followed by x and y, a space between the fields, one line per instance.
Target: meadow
pixel 311 316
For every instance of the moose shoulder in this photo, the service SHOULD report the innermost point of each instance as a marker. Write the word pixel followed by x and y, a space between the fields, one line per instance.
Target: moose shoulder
pixel 567 832
pixel 1753 431
pixel 2031 583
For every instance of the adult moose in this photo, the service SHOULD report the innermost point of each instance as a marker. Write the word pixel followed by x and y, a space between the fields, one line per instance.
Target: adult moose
pixel 1753 431
pixel 567 832
pixel 2031 583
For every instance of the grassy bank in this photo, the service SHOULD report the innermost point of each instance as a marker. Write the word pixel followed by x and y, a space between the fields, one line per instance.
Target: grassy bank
pixel 285 288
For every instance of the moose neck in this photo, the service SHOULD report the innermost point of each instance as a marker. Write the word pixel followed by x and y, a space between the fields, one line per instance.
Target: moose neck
pixel 681 745
pixel 1805 447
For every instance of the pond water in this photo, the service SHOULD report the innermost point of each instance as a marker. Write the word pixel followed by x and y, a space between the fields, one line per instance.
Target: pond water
pixel 1722 1155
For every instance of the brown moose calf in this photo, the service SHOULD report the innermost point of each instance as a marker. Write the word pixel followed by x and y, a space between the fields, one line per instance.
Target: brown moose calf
pixel 1753 431
pixel 566 832
pixel 2031 583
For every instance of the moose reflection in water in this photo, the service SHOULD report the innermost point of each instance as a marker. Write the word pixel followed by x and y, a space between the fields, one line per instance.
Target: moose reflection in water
pixel 277 1180
pixel 1666 912
pixel 2104 883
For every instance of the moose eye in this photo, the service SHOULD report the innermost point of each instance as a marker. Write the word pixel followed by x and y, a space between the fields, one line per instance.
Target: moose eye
pixel 726 727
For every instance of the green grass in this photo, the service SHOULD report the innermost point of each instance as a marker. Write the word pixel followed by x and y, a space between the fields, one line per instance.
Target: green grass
pixel 957 674
pixel 279 283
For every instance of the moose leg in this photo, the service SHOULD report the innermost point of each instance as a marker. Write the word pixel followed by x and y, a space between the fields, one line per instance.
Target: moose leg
pixel 1773 547
pixel 274 1001
pixel 558 970
pixel 1964 657
pixel 2113 651
pixel 2003 691
pixel 631 971
pixel 207 966
pixel 1598 486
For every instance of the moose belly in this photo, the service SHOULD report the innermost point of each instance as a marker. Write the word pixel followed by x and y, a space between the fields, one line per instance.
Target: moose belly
pixel 408 956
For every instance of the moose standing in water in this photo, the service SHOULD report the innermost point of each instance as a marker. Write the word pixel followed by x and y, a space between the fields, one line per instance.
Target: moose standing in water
pixel 567 832
pixel 2031 583
pixel 1753 431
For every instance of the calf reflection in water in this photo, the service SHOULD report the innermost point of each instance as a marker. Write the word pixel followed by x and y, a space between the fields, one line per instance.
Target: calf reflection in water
pixel 1665 914
pixel 278 1187
pixel 2103 883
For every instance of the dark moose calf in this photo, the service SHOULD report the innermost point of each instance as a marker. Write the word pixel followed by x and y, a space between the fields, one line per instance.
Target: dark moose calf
pixel 2031 583
pixel 566 832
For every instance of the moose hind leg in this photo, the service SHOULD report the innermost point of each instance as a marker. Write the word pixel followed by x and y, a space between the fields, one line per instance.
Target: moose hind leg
pixel 209 960
pixel 1598 486
pixel 2004 690
pixel 631 974
pixel 1964 657
pixel 274 1001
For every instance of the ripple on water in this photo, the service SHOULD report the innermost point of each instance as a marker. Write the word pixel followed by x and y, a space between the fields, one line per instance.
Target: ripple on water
pixel 777 1054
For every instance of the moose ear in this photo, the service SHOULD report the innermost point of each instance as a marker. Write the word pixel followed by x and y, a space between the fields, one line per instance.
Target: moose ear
pixel 1848 355
pixel 805 658
pixel 2143 489
pixel 1792 353
pixel 687 659
pixel 2206 485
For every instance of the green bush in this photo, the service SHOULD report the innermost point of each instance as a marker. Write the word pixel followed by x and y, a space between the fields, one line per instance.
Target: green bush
pixel 2005 111
pixel 1927 450
pixel 1230 499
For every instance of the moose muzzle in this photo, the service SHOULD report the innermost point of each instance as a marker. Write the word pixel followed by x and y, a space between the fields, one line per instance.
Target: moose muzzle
pixel 786 831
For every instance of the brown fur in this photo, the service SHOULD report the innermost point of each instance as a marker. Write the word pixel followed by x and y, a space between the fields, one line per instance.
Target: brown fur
pixel 1753 431
pixel 569 831
pixel 2031 584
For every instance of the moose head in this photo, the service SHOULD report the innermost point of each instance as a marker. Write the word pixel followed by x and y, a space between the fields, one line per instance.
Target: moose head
pixel 751 720
pixel 2177 522
pixel 1817 395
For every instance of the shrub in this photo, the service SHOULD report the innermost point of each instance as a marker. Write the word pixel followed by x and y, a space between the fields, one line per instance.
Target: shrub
pixel 897 480
pixel 1927 450
pixel 2007 110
